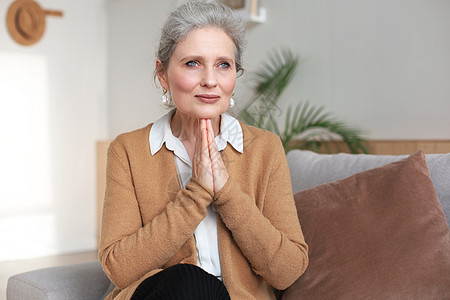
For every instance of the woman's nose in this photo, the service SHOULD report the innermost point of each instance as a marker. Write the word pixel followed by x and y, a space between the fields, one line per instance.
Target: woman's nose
pixel 209 78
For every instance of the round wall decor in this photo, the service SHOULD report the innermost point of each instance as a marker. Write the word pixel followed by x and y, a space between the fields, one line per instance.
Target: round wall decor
pixel 25 20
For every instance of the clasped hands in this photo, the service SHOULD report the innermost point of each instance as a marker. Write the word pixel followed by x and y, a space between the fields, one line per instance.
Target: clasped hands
pixel 207 163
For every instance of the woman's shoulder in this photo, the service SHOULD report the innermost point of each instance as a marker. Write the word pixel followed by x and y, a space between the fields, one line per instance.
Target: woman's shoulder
pixel 264 142
pixel 260 136
pixel 134 138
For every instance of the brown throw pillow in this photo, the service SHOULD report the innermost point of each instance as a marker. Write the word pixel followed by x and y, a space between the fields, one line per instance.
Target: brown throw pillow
pixel 379 234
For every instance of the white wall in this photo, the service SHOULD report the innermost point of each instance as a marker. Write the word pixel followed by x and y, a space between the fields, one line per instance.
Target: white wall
pixel 381 65
pixel 53 108
pixel 134 27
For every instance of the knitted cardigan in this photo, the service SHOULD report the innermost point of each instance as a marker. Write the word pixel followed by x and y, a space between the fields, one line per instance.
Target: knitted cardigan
pixel 149 221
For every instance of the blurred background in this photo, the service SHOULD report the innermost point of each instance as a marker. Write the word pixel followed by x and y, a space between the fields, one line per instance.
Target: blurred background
pixel 381 65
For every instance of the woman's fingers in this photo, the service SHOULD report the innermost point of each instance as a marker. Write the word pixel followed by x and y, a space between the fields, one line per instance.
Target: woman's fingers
pixel 219 172
pixel 208 166
pixel 201 165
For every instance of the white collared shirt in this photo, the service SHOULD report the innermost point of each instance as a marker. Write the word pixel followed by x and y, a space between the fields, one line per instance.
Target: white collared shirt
pixel 206 232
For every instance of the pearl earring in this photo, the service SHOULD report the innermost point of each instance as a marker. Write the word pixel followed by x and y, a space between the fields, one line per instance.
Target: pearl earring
pixel 232 102
pixel 165 98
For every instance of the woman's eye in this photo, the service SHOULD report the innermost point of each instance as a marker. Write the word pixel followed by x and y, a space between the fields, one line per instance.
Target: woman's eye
pixel 224 65
pixel 191 63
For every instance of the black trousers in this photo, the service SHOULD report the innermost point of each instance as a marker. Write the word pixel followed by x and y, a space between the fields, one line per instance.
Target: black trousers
pixel 181 282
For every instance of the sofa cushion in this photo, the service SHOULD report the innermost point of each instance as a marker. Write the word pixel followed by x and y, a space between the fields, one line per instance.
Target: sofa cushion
pixel 309 169
pixel 379 234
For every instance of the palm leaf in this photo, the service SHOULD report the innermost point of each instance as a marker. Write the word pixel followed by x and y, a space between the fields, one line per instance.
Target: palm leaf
pixel 312 125
pixel 272 79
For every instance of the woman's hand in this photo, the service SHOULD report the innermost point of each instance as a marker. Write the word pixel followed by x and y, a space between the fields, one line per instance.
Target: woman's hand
pixel 219 172
pixel 201 163
pixel 207 165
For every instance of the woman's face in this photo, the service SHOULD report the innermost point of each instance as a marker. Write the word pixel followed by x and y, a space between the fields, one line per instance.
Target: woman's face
pixel 201 74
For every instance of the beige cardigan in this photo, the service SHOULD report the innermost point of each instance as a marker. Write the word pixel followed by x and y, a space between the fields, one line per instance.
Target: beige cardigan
pixel 149 221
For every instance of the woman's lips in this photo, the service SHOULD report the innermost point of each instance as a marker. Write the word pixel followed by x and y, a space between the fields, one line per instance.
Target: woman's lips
pixel 207 98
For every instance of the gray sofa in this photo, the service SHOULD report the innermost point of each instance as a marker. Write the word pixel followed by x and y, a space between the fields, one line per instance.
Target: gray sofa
pixel 308 169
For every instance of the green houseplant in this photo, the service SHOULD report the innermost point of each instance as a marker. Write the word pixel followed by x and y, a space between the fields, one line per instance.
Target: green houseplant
pixel 306 126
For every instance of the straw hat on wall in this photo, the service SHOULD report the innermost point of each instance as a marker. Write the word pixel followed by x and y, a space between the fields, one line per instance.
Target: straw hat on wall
pixel 25 20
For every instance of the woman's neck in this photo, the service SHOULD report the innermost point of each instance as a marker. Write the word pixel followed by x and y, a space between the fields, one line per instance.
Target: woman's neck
pixel 186 128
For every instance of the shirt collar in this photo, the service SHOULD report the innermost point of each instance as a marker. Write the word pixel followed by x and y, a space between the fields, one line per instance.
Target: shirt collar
pixel 160 133
pixel 230 132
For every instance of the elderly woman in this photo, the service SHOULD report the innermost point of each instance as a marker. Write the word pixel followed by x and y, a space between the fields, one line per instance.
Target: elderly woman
pixel 199 205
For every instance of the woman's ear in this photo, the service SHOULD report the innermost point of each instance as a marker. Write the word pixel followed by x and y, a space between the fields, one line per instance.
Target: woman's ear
pixel 162 76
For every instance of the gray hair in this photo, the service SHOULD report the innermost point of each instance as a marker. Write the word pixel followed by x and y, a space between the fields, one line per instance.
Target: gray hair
pixel 195 15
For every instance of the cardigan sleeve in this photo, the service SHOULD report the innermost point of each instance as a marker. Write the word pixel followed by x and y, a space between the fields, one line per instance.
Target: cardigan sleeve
pixel 128 249
pixel 270 239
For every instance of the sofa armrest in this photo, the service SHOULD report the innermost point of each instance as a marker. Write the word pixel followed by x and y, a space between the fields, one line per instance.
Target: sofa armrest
pixel 80 281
